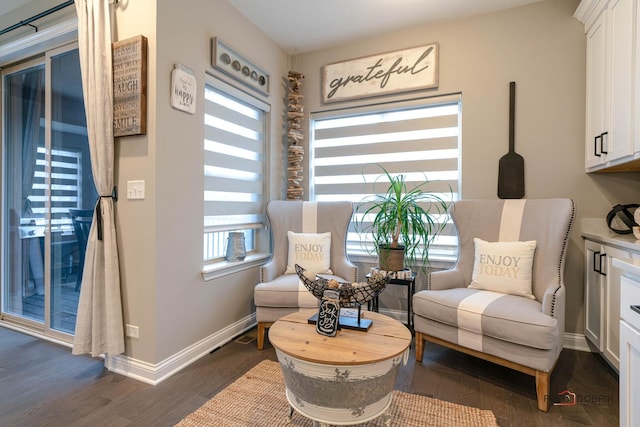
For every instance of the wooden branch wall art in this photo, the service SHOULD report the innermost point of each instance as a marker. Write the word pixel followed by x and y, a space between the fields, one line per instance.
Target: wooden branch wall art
pixel 295 154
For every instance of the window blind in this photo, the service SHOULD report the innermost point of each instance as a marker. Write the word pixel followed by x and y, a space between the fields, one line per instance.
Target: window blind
pixel 234 166
pixel 420 139
pixel 65 172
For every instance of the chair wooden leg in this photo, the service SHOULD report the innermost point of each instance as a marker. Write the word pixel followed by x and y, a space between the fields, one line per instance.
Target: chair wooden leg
pixel 543 380
pixel 261 328
pixel 419 346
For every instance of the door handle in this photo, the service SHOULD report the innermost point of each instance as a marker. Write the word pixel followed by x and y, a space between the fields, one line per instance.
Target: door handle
pixel 602 135
pixel 602 255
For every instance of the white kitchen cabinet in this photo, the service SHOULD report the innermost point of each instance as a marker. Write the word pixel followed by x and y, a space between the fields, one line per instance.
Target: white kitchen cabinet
pixel 593 293
pixel 611 53
pixel 602 298
pixel 629 343
pixel 596 75
pixel 630 374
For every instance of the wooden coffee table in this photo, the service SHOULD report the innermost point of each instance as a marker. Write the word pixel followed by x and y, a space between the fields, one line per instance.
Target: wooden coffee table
pixel 346 379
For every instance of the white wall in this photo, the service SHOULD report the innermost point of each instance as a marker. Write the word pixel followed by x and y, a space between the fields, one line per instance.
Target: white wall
pixel 542 48
pixel 161 237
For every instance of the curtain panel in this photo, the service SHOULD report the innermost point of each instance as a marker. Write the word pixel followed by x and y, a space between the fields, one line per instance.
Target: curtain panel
pixel 99 324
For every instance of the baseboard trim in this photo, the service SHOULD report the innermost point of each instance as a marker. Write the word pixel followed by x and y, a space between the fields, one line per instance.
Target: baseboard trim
pixel 153 374
pixel 574 341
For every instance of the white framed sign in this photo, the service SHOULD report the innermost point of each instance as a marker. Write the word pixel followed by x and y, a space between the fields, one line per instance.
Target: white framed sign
pixel 183 89
pixel 400 71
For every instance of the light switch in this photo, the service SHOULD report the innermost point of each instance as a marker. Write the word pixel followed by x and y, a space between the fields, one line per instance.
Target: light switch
pixel 135 190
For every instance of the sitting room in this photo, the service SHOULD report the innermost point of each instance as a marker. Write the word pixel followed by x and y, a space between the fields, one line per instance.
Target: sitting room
pixel 196 197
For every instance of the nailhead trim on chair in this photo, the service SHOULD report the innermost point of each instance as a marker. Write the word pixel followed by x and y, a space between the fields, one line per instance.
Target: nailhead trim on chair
pixel 562 257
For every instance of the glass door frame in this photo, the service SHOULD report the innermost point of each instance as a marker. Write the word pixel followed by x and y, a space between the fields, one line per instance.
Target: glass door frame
pixel 33 326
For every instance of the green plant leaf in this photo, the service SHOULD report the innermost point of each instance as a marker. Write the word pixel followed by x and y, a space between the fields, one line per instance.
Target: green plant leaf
pixel 403 216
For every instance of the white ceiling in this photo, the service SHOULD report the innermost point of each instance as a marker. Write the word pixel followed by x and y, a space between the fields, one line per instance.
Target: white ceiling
pixel 306 25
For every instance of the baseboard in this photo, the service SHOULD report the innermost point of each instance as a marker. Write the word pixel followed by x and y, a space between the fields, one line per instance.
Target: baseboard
pixel 574 341
pixel 155 373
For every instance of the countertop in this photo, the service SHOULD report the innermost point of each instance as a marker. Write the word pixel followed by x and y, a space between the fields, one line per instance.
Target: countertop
pixel 627 265
pixel 596 229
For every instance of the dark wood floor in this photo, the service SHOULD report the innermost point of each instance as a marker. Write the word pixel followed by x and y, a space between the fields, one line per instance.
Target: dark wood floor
pixel 42 384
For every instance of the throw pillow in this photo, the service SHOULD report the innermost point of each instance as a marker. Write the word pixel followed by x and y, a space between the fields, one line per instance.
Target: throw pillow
pixel 504 267
pixel 311 251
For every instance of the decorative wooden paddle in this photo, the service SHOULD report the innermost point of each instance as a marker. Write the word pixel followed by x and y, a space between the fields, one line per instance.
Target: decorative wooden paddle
pixel 511 165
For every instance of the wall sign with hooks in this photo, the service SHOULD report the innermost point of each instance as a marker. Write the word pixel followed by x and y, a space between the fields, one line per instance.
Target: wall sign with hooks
pixel 232 63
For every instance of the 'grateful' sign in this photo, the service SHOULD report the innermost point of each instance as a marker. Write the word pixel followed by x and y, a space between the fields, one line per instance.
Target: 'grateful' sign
pixel 400 71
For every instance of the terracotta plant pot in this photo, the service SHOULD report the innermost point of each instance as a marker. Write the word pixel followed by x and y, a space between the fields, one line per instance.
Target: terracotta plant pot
pixel 391 259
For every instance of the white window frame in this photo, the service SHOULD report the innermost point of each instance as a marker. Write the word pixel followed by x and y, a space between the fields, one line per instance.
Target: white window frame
pixel 218 267
pixel 445 253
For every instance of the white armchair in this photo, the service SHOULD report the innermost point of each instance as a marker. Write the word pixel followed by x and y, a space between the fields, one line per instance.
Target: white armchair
pixel 520 332
pixel 279 294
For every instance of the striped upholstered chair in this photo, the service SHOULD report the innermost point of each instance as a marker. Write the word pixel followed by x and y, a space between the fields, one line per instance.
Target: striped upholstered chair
pixel 280 292
pixel 482 306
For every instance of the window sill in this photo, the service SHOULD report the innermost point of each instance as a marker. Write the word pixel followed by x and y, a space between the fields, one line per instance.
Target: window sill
pixel 224 268
pixel 436 263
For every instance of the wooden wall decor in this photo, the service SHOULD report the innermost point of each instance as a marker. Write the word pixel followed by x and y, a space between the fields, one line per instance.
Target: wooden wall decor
pixel 295 154
pixel 400 71
pixel 130 86
pixel 224 58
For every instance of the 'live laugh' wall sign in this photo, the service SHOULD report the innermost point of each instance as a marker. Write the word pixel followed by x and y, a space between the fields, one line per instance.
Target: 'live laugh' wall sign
pixel 404 70
pixel 130 86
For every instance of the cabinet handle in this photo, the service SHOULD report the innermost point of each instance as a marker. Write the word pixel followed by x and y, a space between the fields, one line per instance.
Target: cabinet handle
pixel 595 145
pixel 602 135
pixel 603 255
pixel 595 262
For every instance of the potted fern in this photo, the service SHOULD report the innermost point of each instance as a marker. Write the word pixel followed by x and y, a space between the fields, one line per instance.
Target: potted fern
pixel 402 221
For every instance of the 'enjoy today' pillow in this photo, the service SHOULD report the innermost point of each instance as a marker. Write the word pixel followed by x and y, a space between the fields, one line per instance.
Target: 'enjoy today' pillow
pixel 311 251
pixel 504 267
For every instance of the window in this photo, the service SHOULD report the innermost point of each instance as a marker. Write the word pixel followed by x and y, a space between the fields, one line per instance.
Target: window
pixel 419 138
pixel 234 168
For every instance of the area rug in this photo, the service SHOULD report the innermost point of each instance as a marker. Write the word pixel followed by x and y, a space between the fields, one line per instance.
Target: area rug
pixel 257 399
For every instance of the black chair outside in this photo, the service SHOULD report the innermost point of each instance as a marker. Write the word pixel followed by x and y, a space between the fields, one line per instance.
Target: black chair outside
pixel 81 219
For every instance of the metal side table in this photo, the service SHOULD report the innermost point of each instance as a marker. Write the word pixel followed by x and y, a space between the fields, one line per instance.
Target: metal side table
pixel 411 289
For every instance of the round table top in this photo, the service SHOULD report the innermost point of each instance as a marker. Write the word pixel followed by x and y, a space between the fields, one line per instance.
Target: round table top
pixel 386 338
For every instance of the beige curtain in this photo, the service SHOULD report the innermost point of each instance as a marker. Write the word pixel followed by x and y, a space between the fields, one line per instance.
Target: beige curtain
pixel 99 326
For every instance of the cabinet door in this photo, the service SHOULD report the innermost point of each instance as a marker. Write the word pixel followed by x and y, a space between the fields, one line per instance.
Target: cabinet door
pixel 629 375
pixel 593 293
pixel 617 141
pixel 596 77
pixel 611 345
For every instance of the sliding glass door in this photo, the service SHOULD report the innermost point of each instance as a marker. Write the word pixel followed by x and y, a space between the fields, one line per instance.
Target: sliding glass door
pixel 48 191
